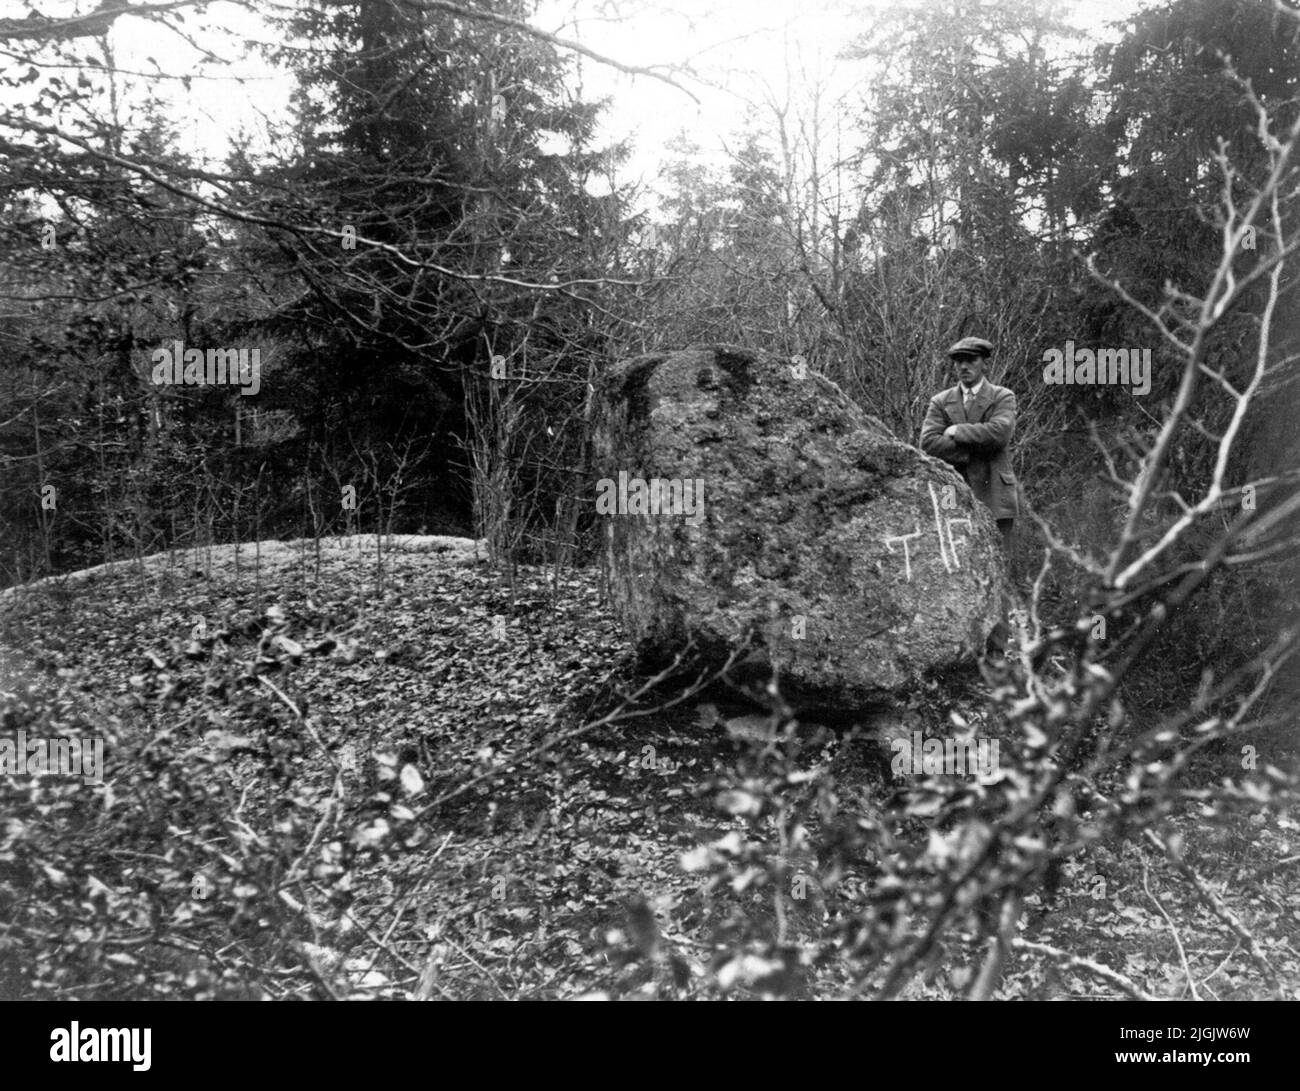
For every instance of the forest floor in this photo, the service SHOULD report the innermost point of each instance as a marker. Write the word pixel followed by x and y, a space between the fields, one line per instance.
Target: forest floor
pixel 462 824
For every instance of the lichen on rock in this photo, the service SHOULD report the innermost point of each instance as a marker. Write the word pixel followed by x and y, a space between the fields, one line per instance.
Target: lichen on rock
pixel 853 562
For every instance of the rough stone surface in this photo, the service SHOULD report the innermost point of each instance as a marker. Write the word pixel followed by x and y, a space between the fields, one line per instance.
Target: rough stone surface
pixel 856 562
pixel 270 556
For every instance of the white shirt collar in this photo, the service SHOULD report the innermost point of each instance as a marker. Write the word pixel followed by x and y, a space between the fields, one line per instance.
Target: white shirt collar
pixel 974 391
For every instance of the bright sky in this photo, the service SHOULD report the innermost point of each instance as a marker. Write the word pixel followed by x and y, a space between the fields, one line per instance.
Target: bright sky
pixel 745 51
pixel 740 50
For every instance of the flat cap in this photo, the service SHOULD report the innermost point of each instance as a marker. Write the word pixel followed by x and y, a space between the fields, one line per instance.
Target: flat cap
pixel 974 346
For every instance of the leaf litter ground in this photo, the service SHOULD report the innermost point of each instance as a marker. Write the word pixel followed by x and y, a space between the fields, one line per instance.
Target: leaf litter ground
pixel 433 713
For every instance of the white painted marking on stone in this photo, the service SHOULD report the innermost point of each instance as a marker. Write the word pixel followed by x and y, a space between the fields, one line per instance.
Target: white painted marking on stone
pixel 907 554
pixel 938 527
pixel 952 543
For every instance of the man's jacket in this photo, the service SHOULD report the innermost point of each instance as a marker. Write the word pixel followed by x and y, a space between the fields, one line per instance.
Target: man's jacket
pixel 979 447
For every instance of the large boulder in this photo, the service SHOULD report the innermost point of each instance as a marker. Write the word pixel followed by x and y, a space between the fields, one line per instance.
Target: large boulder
pixel 850 562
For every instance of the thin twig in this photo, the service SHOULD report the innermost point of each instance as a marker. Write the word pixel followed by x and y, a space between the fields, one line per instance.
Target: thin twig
pixel 1173 930
pixel 1074 962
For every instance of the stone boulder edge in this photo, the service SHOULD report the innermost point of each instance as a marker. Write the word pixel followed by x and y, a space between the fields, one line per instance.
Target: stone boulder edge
pixel 854 562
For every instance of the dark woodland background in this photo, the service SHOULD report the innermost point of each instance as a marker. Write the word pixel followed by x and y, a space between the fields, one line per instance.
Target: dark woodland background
pixel 990 169
pixel 437 261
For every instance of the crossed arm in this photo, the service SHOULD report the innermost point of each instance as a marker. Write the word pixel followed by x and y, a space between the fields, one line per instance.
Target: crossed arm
pixel 955 443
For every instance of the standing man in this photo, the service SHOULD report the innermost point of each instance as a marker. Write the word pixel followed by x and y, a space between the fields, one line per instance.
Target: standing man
pixel 970 425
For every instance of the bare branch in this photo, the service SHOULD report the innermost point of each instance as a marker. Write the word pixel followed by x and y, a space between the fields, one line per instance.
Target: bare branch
pixel 462 12
pixel 91 25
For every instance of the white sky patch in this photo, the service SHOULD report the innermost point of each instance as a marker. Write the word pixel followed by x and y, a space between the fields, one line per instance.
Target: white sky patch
pixel 741 55
pixel 739 51
pixel 241 93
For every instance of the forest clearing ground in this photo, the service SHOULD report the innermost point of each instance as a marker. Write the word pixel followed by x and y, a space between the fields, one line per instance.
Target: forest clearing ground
pixel 422 674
